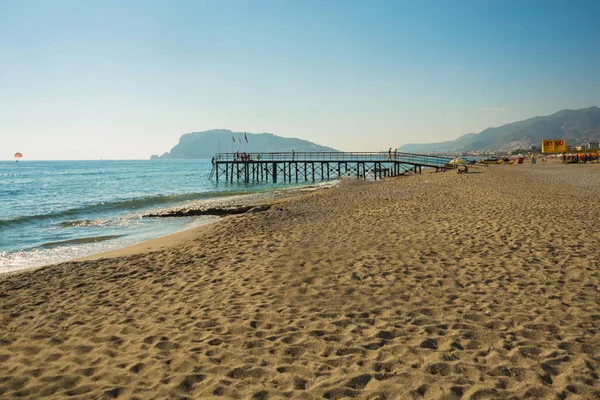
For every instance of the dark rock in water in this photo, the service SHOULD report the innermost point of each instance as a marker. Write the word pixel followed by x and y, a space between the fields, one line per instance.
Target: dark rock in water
pixel 216 211
pixel 260 208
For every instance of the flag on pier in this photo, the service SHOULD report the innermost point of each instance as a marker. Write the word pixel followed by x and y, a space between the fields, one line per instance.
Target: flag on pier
pixel 245 137
pixel 233 139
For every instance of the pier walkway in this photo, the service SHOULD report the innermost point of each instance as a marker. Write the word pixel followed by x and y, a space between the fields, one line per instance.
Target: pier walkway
pixel 314 166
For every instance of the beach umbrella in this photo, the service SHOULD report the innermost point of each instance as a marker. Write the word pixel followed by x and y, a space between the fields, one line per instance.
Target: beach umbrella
pixel 458 161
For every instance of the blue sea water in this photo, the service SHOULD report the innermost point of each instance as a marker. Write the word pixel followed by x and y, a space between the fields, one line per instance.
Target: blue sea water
pixel 54 211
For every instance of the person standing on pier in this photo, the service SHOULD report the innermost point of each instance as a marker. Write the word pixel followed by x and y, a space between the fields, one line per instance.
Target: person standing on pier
pixel 293 154
pixel 395 154
pixel 390 154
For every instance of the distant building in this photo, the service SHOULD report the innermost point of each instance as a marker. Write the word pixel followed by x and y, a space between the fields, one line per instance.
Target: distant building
pixel 593 145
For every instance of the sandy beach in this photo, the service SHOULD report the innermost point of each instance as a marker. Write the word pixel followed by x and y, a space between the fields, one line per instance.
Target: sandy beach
pixel 435 286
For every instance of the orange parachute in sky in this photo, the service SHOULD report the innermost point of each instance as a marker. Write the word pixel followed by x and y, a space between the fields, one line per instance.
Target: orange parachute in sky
pixel 18 155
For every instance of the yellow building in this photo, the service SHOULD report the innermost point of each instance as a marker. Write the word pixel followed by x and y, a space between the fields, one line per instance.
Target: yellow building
pixel 554 146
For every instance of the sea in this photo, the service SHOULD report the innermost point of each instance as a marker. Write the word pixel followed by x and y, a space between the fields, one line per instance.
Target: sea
pixel 55 211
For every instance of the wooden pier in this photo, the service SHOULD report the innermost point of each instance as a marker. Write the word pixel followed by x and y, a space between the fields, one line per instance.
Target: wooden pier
pixel 316 166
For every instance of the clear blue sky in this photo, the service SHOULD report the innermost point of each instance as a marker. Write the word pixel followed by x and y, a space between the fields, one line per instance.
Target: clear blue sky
pixel 124 79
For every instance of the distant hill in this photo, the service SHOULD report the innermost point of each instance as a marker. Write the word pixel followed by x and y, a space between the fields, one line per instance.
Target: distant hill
pixel 198 145
pixel 576 126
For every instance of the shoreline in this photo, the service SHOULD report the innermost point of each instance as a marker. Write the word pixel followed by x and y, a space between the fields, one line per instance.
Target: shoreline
pixel 436 286
pixel 217 208
pixel 186 236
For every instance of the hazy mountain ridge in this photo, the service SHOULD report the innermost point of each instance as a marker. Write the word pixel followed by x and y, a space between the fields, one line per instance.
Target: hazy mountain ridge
pixel 199 145
pixel 576 126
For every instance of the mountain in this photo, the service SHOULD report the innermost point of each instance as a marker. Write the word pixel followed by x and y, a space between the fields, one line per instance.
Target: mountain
pixel 205 144
pixel 576 126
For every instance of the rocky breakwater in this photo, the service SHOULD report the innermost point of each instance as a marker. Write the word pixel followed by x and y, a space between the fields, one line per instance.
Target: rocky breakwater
pixel 209 211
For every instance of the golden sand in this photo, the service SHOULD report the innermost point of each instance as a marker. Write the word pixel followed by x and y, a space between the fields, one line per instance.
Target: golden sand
pixel 436 286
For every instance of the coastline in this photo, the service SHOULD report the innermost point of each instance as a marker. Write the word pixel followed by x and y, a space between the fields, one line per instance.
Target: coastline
pixel 186 236
pixel 213 209
pixel 437 285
